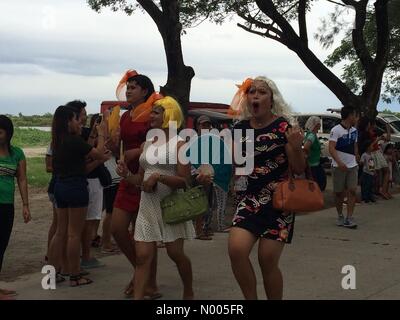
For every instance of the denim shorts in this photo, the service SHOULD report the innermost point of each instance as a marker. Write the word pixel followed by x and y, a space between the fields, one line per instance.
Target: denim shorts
pixel 71 192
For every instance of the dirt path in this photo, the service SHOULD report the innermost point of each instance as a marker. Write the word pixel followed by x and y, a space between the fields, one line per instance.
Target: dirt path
pixel 35 152
pixel 28 242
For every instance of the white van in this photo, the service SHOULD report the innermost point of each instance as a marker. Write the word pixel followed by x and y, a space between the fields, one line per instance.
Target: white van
pixel 329 120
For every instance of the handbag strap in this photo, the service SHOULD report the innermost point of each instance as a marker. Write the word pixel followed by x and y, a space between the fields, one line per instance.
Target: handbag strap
pixel 308 174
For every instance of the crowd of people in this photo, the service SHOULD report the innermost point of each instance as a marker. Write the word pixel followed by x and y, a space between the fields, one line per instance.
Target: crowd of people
pixel 106 167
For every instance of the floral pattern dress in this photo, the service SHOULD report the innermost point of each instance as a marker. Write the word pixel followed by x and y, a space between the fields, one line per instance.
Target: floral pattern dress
pixel 254 210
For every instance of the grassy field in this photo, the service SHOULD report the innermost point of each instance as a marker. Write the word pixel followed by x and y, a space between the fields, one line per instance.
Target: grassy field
pixel 36 171
pixel 31 138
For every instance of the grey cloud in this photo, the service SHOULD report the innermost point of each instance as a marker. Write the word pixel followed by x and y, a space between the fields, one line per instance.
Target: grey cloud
pixel 77 57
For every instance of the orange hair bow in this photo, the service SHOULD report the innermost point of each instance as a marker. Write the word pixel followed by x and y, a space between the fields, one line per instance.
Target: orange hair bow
pixel 121 88
pixel 142 112
pixel 236 106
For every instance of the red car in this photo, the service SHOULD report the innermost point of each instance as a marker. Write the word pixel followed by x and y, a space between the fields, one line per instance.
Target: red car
pixel 216 111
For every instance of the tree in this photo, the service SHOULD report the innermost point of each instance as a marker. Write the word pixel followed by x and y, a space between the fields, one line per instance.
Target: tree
pixel 166 15
pixel 274 19
pixel 353 72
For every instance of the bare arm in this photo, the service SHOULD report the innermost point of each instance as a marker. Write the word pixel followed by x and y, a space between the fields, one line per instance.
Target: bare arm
pixel 23 189
pixel 307 147
pixel 174 182
pixel 333 153
pixel 294 152
pixel 297 160
pixel 356 152
pixel 388 132
pixel 49 163
pixel 98 152
pixel 123 171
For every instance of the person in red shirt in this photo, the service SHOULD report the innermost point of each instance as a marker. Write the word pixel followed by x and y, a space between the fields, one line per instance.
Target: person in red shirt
pixel 133 128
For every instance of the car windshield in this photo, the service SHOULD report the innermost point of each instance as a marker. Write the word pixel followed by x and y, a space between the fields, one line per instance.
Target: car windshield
pixel 396 124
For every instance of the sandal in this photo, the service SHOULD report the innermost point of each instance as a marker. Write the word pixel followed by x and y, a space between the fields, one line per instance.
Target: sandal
pixel 110 250
pixel 59 278
pixel 203 237
pixel 153 296
pixel 77 281
pixel 8 293
pixel 129 289
pixel 96 242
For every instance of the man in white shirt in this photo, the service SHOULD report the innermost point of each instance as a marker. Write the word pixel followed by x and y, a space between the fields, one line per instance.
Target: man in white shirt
pixel 344 151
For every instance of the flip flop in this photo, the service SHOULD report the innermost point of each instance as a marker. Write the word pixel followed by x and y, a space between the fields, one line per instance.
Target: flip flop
pixel 8 293
pixel 154 296
pixel 203 237
pixel 112 250
pixel 129 290
pixel 6 297
pixel 74 281
pixel 59 278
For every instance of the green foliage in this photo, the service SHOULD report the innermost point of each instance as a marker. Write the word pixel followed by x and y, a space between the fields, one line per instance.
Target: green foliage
pixel 397 114
pixel 36 172
pixel 31 138
pixel 32 121
pixel 353 73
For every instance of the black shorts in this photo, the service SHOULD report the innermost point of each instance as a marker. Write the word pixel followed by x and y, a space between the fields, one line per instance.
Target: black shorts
pixel 266 223
pixel 109 197
pixel 71 192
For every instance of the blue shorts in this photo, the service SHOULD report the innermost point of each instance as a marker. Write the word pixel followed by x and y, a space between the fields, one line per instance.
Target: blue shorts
pixel 71 192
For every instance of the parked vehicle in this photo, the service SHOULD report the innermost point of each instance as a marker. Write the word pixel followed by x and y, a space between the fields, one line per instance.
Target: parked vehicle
pixel 382 119
pixel 328 121
pixel 216 111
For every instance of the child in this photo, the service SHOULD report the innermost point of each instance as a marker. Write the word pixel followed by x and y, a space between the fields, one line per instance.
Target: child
pixel 388 153
pixel 368 173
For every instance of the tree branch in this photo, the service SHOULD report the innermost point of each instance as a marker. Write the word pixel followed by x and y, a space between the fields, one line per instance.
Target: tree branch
pixel 259 24
pixel 154 12
pixel 358 34
pixel 293 42
pixel 334 2
pixel 266 34
pixel 302 21
pixel 382 31
pixel 294 5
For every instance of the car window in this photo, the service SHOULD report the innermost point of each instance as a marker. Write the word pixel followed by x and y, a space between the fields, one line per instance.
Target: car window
pixel 396 124
pixel 302 121
pixel 328 123
pixel 381 126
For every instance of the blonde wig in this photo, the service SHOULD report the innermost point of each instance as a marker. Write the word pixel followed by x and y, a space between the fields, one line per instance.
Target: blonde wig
pixel 172 111
pixel 279 107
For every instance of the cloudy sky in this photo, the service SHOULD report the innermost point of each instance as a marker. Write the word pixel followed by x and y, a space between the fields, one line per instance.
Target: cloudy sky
pixel 55 51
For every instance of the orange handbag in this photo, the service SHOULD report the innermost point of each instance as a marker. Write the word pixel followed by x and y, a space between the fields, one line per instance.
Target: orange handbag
pixel 298 195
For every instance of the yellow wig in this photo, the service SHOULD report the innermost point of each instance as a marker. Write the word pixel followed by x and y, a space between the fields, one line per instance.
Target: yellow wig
pixel 172 111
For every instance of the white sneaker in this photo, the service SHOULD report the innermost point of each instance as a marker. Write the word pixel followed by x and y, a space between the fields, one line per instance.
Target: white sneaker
pixel 340 221
pixel 349 223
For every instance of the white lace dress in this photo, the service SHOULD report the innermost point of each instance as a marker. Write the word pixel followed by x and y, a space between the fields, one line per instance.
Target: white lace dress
pixel 149 223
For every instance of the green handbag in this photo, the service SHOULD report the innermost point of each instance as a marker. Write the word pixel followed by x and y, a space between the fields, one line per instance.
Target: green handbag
pixel 181 206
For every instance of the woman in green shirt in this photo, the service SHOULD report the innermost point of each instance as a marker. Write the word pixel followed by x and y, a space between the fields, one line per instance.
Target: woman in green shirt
pixel 312 147
pixel 12 165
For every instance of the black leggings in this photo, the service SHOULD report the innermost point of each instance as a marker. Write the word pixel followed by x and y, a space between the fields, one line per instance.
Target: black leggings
pixel 6 224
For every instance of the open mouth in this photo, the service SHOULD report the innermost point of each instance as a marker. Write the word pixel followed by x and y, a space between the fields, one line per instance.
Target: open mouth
pixel 256 106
